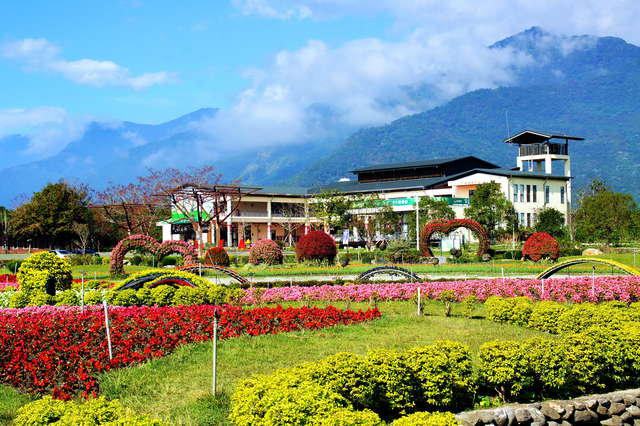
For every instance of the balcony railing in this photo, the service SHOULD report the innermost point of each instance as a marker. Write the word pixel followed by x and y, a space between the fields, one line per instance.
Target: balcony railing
pixel 543 149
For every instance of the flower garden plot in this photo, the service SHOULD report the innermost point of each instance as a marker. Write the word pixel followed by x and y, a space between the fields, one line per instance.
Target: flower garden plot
pixel 59 350
pixel 575 289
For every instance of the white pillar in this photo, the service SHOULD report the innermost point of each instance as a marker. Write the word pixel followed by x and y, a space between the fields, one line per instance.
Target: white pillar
pixel 229 239
pixel 519 163
pixel 269 231
pixel 548 168
pixel 306 228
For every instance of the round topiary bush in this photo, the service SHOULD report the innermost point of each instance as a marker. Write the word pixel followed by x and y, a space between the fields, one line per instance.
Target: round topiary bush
pixel 317 246
pixel 216 256
pixel 541 245
pixel 265 251
pixel 44 272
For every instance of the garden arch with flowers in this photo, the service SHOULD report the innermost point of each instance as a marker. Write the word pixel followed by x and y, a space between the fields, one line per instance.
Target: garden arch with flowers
pixel 146 242
pixel 547 273
pixel 445 226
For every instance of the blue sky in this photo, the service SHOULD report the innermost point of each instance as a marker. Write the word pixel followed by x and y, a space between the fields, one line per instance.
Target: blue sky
pixel 205 45
pixel 282 71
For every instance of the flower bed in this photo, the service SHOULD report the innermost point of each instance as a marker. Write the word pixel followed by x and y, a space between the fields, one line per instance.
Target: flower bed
pixel 8 280
pixel 576 289
pixel 58 350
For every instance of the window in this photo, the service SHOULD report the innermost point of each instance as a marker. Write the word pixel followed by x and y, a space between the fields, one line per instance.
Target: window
pixel 528 193
pixel 562 195
pixel 535 193
pixel 547 194
pixel 515 192
pixel 522 193
pixel 522 219
pixel 528 219
pixel 534 218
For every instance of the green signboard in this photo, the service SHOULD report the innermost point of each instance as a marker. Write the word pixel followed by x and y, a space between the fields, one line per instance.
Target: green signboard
pixel 398 202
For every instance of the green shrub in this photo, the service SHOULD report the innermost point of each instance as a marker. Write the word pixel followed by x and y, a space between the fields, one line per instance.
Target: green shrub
pixel 503 367
pixel 135 260
pixel 498 309
pixel 584 315
pixel 163 295
pixel 145 298
pixel 98 411
pixel 444 373
pixel 83 259
pixel 547 363
pixel 93 297
pixel 396 382
pixel 521 311
pixel 40 298
pixel 427 419
pixel 349 376
pixel 43 269
pixel 128 297
pixel 8 289
pixel 596 357
pixel 545 315
pixel 185 296
pixel 216 295
pixel 67 298
pixel 5 297
pixel 282 398
pixel 401 251
pixel 88 285
pixel 469 305
pixel 18 300
pixel 169 261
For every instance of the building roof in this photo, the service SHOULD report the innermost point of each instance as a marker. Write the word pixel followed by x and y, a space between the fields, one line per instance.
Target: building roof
pixel 535 136
pixel 389 185
pixel 282 190
pixel 518 173
pixel 418 164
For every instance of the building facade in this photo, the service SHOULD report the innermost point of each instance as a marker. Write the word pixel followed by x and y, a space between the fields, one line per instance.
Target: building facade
pixel 534 184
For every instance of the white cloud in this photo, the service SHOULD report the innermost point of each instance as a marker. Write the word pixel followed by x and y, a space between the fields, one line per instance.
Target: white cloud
pixel 308 93
pixel 48 129
pixel 491 19
pixel 40 54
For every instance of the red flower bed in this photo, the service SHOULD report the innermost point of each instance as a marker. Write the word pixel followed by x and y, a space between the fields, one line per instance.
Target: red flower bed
pixel 541 245
pixel 60 351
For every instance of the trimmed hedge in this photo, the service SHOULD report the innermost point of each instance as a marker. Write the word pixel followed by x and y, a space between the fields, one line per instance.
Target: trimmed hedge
pixel 43 268
pixel 98 411
pixel 316 246
pixel 265 251
pixel 382 385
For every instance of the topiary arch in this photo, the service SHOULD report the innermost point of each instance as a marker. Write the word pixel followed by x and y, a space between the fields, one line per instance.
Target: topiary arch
pixel 445 226
pixel 149 243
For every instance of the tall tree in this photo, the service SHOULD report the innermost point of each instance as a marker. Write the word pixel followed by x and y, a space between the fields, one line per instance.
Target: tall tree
pixel 491 209
pixel 197 196
pixel 551 221
pixel 604 215
pixel 49 216
pixel 332 207
pixel 429 208
pixel 5 217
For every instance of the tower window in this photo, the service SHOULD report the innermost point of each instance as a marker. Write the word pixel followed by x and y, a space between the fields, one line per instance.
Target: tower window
pixel 528 193
pixel 522 193
pixel 535 193
pixel 547 194
pixel 562 195
pixel 515 192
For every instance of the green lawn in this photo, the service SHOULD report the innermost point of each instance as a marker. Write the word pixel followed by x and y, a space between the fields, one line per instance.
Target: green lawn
pixel 177 388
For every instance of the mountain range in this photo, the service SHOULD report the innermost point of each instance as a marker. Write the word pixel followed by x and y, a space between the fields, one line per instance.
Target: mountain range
pixel 581 85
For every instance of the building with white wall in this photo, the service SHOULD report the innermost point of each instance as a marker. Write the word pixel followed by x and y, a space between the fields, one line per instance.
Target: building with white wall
pixel 284 213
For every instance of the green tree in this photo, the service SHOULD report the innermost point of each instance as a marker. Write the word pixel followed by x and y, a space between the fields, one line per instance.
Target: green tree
pixel 604 215
pixel 5 217
pixel 429 209
pixel 491 209
pixel 332 207
pixel 551 221
pixel 49 217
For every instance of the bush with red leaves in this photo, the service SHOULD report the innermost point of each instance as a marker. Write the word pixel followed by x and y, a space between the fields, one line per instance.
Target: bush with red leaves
pixel 317 246
pixel 265 251
pixel 541 245
pixel 216 256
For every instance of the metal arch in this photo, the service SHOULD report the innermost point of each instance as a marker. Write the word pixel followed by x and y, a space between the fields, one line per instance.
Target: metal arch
pixel 392 270
pixel 562 265
pixel 198 267
pixel 138 283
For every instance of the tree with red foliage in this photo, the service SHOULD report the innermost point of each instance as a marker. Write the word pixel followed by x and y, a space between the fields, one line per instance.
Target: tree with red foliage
pixel 316 245
pixel 541 245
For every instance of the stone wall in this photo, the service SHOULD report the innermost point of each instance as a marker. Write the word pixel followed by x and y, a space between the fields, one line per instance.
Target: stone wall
pixel 612 409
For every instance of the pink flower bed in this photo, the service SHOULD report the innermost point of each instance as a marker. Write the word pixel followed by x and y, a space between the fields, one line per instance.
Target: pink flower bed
pixel 576 289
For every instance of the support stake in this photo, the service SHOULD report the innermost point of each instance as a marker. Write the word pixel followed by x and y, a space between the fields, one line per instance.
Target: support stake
pixel 107 326
pixel 214 361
